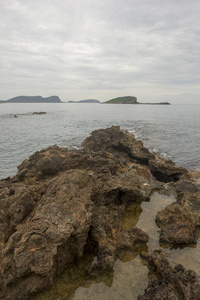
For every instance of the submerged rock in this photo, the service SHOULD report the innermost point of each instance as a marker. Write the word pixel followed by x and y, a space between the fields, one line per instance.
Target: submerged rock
pixel 62 204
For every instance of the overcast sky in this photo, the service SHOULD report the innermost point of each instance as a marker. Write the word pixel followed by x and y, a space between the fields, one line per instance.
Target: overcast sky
pixel 100 49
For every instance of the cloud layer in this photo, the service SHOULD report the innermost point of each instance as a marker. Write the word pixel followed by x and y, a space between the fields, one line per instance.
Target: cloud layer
pixel 100 49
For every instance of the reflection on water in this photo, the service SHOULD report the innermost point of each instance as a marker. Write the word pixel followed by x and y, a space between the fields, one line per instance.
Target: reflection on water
pixel 147 219
pixel 131 215
pixel 143 216
pixel 129 280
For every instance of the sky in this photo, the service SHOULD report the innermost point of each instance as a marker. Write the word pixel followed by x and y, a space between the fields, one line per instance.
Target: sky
pixel 92 49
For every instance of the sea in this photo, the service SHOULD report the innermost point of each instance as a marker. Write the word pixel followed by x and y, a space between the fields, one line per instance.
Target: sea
pixel 173 130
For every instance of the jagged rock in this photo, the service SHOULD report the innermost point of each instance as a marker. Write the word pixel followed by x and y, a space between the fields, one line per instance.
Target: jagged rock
pixel 119 143
pixel 64 203
pixel 179 221
pixel 175 225
pixel 53 235
pixel 166 283
pixel 166 171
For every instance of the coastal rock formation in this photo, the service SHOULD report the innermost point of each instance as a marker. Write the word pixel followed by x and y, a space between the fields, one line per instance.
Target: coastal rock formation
pixel 62 204
pixel 169 283
pixel 179 221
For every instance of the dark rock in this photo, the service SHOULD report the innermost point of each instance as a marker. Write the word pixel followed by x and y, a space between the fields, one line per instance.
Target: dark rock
pixel 39 113
pixel 166 171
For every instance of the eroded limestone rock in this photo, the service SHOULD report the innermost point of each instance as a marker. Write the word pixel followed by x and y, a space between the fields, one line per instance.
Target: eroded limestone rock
pixel 169 283
pixel 64 203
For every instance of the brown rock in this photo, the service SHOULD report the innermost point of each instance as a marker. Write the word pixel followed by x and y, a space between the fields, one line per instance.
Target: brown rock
pixel 53 235
pixel 178 221
pixel 167 283
pixel 64 203
pixel 175 226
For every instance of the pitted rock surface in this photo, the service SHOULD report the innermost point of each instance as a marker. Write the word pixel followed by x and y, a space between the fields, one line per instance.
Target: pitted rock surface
pixel 64 203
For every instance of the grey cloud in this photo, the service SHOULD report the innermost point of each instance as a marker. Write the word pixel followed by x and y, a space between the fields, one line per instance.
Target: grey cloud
pixel 108 46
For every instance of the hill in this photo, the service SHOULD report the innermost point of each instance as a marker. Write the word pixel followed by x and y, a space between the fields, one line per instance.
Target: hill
pixel 123 100
pixel 34 99
pixel 85 101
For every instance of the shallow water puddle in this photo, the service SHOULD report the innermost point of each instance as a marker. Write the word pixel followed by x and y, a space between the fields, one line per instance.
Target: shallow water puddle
pixel 143 216
pixel 189 256
pixel 129 277
pixel 129 280
pixel 146 221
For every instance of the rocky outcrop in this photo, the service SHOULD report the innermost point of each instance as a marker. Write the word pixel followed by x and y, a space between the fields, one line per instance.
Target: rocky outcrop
pixel 169 283
pixel 179 220
pixel 62 204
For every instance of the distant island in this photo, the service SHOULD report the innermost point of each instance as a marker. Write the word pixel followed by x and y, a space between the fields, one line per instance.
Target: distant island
pixel 131 100
pixel 33 99
pixel 56 99
pixel 85 101
pixel 123 100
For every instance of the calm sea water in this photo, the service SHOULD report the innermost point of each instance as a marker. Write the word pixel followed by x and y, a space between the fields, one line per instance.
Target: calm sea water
pixel 173 131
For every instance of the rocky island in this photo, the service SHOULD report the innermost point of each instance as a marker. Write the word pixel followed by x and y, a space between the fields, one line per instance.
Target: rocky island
pixel 33 99
pixel 122 100
pixel 64 204
pixel 131 100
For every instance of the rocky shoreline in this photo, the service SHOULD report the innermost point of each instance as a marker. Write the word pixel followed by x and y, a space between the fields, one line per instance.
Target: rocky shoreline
pixel 63 204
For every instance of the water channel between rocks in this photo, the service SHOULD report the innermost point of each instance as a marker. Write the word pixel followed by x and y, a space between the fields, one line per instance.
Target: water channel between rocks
pixel 129 277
